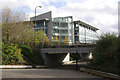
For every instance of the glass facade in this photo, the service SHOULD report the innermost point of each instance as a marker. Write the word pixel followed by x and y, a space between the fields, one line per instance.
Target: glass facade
pixel 42 25
pixel 61 27
pixel 84 33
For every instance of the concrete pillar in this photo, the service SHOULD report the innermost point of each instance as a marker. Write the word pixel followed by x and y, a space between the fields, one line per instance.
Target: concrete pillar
pixel 67 58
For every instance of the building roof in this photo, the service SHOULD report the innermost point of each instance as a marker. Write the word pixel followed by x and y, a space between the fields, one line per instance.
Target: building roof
pixel 81 22
pixel 43 16
pixel 64 17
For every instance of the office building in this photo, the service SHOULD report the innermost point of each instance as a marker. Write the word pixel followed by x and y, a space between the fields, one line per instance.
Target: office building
pixel 84 33
pixel 76 31
pixel 59 26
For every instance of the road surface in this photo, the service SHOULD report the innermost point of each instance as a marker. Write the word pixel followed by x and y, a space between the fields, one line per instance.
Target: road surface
pixel 47 73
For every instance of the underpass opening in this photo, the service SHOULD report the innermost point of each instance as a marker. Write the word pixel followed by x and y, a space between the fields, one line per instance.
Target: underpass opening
pixel 54 59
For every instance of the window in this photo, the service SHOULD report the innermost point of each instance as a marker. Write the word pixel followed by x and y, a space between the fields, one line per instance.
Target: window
pixel 77 31
pixel 77 25
pixel 46 31
pixel 76 38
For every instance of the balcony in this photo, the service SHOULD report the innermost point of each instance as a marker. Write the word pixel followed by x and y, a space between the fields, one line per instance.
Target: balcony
pixel 60 34
pixel 61 28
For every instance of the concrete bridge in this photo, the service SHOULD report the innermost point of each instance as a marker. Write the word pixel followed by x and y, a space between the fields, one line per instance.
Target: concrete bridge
pixel 54 56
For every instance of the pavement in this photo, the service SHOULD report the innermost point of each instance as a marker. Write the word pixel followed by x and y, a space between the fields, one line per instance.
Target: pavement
pixel 21 66
pixel 48 74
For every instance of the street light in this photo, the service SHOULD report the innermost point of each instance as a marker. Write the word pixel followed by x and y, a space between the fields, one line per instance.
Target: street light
pixel 35 23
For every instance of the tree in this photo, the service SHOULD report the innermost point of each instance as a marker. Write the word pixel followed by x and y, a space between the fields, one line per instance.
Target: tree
pixel 56 41
pixel 66 40
pixel 105 49
pixel 14 28
pixel 27 35
pixel 40 37
pixel 47 41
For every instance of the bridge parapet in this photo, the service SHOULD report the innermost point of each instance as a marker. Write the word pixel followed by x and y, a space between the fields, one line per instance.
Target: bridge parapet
pixel 67 50
pixel 68 46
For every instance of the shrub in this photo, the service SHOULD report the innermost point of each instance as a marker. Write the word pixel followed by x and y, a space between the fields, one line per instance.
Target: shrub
pixel 37 57
pixel 118 54
pixel 99 59
pixel 32 54
pixel 106 54
pixel 11 54
pixel 26 50
pixel 105 49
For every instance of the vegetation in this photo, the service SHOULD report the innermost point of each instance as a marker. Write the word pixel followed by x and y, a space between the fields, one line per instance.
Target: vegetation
pixel 17 37
pixel 40 37
pixel 14 29
pixel 47 42
pixel 66 41
pixel 56 41
pixel 11 54
pixel 106 53
pixel 32 54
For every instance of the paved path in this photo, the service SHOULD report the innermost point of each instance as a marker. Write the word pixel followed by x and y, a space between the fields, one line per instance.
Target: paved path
pixel 44 73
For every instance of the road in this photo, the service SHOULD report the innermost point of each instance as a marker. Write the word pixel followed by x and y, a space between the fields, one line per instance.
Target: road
pixel 47 73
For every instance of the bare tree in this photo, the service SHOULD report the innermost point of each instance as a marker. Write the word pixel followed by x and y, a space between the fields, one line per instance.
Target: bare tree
pixel 14 28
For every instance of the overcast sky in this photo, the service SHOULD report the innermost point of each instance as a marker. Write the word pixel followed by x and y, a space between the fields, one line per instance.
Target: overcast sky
pixel 102 14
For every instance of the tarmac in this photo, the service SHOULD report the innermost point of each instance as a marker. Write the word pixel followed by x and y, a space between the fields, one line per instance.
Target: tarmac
pixel 46 73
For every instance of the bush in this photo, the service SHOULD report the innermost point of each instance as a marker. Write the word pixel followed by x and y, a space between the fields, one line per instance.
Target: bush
pixel 106 54
pixel 26 50
pixel 11 54
pixel 32 54
pixel 99 59
pixel 105 49
pixel 37 57
pixel 118 54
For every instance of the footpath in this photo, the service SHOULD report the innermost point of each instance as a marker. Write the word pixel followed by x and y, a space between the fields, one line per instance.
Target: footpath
pixel 21 66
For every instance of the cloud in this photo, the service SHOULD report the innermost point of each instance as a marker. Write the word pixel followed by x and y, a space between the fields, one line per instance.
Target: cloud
pixel 99 13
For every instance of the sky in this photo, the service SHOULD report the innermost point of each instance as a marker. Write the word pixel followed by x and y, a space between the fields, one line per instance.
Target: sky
pixel 102 14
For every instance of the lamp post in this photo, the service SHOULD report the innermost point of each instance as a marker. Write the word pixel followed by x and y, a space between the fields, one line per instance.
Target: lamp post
pixel 35 23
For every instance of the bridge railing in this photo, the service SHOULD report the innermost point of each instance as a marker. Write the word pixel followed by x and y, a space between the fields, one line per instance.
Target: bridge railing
pixel 63 45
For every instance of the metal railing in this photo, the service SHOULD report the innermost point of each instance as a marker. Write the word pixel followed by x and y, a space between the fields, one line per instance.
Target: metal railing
pixel 66 44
